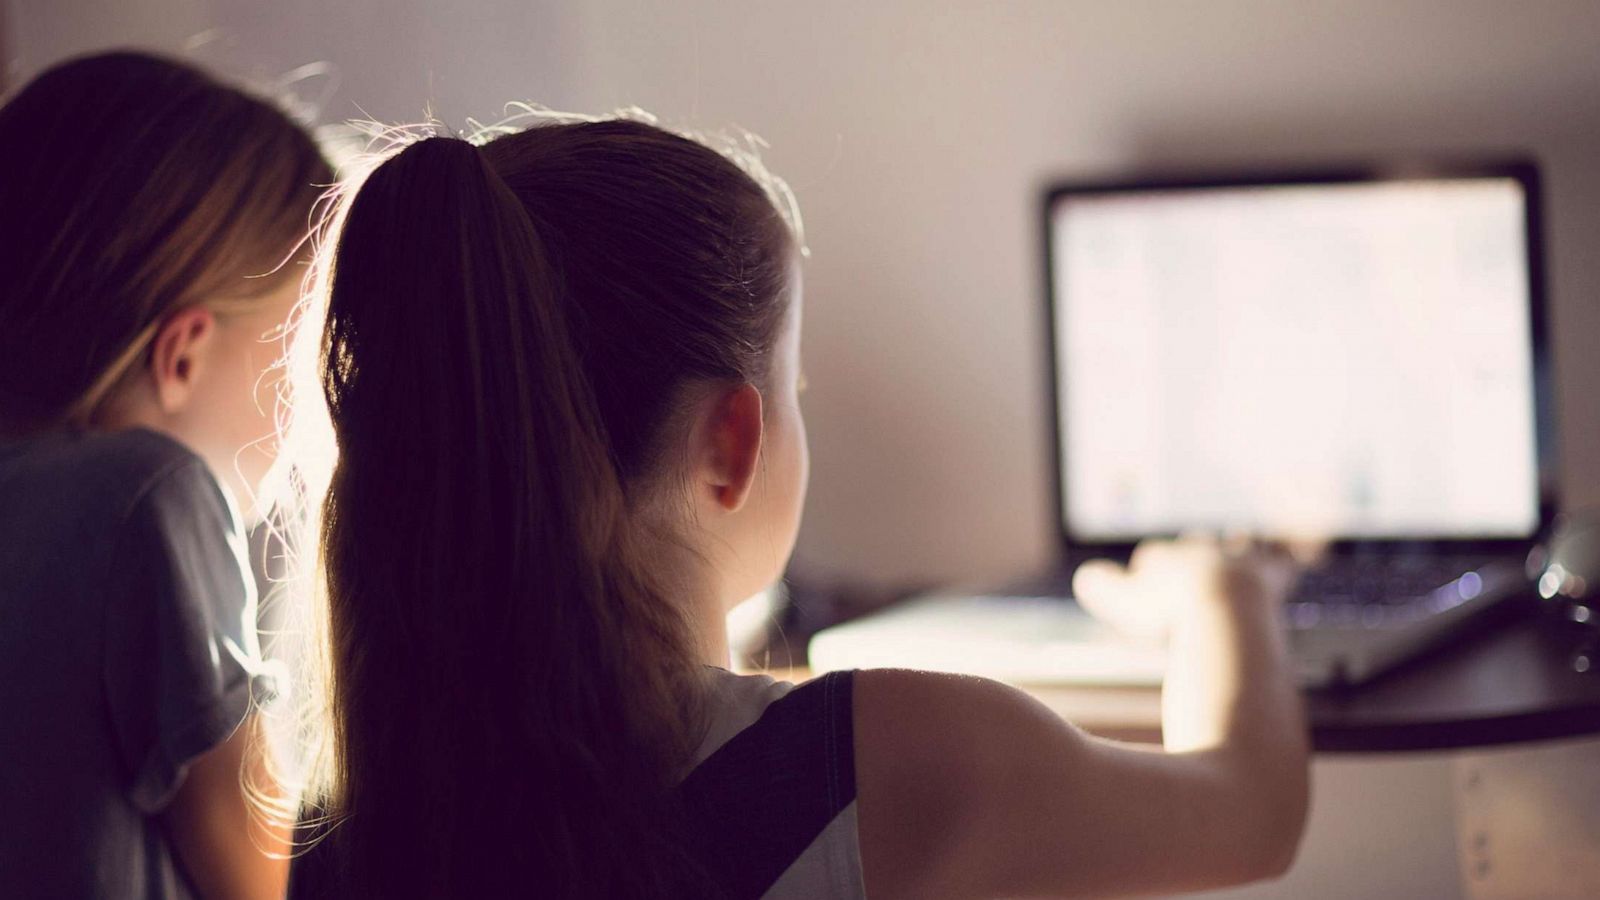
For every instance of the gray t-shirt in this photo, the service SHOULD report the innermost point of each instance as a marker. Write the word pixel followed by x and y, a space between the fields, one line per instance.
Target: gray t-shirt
pixel 127 648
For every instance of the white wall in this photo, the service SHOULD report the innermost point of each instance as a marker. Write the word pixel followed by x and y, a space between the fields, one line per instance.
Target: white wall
pixel 917 134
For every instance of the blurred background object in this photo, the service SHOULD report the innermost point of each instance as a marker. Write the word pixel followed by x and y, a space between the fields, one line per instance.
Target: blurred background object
pixel 1528 822
pixel 1567 570
pixel 1570 562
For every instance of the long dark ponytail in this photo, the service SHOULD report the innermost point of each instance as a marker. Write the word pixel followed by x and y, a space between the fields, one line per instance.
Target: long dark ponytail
pixel 509 330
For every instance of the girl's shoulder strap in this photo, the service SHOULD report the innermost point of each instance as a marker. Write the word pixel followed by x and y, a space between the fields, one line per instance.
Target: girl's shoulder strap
pixel 760 803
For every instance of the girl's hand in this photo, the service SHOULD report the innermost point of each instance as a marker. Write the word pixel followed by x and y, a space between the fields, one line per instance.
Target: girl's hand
pixel 1166 578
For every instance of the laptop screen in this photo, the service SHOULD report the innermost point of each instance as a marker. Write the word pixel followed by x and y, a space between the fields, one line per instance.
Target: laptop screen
pixel 1352 359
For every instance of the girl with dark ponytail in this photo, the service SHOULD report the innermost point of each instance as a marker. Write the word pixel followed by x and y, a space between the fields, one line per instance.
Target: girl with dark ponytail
pixel 561 369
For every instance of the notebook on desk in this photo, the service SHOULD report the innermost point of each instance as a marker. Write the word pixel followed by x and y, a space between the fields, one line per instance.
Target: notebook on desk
pixel 1354 354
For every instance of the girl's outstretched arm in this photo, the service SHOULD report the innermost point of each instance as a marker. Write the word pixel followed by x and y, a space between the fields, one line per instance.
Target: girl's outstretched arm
pixel 969 788
pixel 223 846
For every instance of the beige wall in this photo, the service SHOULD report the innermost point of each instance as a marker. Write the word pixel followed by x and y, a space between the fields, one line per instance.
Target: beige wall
pixel 917 133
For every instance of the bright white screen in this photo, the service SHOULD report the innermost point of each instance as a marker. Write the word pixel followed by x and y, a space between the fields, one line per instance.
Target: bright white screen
pixel 1349 360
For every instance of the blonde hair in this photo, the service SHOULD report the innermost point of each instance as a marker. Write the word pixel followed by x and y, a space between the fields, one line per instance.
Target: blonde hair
pixel 187 191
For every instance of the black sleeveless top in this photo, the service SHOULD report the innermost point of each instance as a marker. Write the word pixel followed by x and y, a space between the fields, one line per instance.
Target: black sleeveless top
pixel 770 809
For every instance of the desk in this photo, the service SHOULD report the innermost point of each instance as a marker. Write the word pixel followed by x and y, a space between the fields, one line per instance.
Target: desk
pixel 1509 685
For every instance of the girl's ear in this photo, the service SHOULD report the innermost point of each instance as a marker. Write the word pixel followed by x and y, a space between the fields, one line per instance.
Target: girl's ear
pixel 730 448
pixel 178 354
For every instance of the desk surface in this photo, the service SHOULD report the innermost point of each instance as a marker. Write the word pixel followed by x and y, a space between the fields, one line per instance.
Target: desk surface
pixel 1512 684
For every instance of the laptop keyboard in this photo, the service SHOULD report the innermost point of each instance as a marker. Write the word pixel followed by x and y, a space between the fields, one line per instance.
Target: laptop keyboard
pixel 1382 592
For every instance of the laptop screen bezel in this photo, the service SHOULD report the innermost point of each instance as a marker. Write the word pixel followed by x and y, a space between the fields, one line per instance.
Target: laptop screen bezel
pixel 1523 170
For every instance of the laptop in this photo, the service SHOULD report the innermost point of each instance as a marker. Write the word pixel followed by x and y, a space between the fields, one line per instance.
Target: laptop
pixel 1357 354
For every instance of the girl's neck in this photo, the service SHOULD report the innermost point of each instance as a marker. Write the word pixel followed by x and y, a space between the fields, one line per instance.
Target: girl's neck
pixel 706 615
pixel 688 576
pixel 714 644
